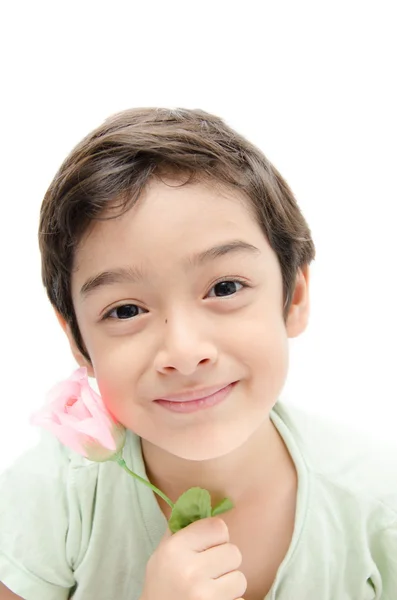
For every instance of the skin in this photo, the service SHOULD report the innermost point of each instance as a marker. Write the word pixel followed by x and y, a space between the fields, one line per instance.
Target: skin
pixel 187 333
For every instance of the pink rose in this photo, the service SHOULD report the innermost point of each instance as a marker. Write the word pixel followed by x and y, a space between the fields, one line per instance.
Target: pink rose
pixel 76 414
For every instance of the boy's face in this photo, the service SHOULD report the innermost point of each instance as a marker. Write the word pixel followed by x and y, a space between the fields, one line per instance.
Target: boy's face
pixel 170 326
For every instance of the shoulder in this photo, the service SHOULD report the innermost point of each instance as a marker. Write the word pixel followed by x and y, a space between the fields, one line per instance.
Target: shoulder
pixel 47 462
pixel 361 467
pixel 53 503
pixel 44 480
pixel 346 506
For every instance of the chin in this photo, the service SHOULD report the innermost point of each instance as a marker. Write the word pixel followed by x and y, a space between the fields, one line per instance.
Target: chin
pixel 210 446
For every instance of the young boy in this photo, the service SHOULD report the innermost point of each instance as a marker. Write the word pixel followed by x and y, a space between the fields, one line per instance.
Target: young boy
pixel 177 261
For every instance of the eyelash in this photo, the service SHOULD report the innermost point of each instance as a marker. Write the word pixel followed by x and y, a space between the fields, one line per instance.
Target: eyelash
pixel 243 283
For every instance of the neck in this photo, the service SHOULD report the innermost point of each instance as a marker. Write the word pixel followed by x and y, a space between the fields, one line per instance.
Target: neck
pixel 260 466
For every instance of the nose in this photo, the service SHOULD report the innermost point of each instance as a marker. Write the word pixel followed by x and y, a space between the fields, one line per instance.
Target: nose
pixel 185 347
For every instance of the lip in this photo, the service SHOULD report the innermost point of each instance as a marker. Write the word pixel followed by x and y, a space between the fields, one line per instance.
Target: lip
pixel 197 404
pixel 197 394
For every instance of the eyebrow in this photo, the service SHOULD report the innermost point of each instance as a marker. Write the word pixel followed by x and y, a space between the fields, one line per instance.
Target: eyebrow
pixel 136 275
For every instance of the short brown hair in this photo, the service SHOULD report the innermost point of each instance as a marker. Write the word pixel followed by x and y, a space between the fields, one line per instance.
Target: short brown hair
pixel 116 161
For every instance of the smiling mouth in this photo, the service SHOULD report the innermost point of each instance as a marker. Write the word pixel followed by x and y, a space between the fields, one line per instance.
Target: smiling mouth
pixel 195 395
pixel 196 404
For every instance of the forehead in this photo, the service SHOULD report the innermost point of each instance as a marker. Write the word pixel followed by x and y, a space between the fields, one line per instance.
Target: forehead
pixel 168 222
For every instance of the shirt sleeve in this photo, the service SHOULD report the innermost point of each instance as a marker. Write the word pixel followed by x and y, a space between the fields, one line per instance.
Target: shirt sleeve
pixel 36 551
pixel 384 553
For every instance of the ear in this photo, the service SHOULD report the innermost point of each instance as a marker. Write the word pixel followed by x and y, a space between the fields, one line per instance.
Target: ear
pixel 79 357
pixel 298 315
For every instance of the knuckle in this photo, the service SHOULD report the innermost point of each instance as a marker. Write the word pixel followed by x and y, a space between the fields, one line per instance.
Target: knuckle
pixel 189 581
pixel 190 576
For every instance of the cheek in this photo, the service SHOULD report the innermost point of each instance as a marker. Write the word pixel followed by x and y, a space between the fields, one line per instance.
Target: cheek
pixel 260 334
pixel 118 365
pixel 264 349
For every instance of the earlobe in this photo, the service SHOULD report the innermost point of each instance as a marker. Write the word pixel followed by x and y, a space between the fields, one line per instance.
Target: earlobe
pixel 78 355
pixel 298 316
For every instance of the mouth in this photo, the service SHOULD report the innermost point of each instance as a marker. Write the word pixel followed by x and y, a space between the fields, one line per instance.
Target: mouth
pixel 196 399
pixel 196 394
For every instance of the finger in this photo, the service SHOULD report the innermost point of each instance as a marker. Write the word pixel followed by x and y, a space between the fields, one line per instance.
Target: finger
pixel 231 585
pixel 220 560
pixel 203 534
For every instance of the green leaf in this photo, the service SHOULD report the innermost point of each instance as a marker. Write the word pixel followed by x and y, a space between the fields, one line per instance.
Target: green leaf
pixel 222 507
pixel 191 506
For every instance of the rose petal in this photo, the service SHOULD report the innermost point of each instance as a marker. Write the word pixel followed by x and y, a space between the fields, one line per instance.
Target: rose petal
pixel 92 400
pixel 66 436
pixel 96 430
pixel 60 392
pixel 78 410
pixel 79 375
pixel 67 420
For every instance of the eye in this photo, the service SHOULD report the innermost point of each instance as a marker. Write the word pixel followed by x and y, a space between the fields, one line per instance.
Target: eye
pixel 123 312
pixel 227 287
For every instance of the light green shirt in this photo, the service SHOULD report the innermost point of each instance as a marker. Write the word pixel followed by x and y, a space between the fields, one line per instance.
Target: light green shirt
pixel 69 527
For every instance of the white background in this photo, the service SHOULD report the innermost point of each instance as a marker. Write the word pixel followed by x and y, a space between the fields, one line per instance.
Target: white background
pixel 312 83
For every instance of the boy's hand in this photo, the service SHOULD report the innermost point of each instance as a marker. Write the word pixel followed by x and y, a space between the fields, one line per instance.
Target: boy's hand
pixel 196 563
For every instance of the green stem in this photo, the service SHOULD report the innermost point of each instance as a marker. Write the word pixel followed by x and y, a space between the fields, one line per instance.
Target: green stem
pixel 120 461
